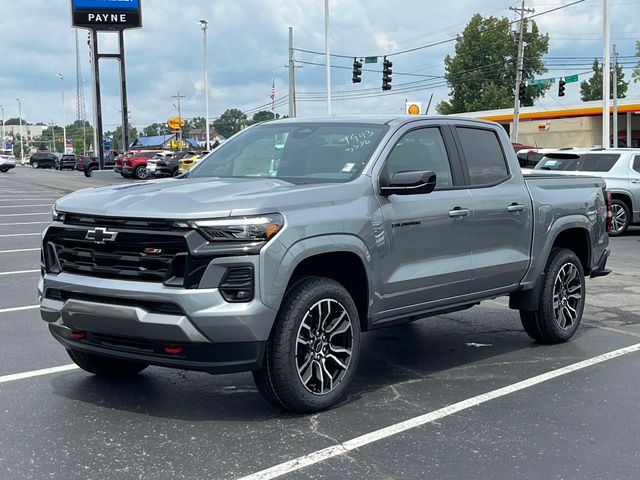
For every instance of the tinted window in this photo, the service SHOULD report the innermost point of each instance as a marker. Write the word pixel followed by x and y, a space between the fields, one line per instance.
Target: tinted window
pixel 598 162
pixel 636 163
pixel 485 159
pixel 558 162
pixel 420 150
pixel 297 152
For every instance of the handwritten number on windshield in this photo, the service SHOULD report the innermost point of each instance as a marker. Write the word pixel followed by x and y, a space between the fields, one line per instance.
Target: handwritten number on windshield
pixel 357 140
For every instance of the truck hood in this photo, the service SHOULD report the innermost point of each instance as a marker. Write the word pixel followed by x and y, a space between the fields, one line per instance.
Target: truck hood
pixel 206 197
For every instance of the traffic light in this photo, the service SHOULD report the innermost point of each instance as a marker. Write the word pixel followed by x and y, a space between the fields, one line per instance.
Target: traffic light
pixel 357 71
pixel 561 87
pixel 386 74
pixel 522 91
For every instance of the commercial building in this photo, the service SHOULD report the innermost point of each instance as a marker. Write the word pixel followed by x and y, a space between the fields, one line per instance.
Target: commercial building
pixel 569 126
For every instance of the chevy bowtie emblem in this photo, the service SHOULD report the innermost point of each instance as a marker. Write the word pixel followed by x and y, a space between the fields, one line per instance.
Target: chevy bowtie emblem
pixel 101 235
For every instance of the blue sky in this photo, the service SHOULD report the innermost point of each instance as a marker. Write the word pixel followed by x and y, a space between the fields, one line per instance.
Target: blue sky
pixel 248 42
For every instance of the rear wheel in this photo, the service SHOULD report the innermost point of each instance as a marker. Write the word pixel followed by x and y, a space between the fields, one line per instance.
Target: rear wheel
pixel 4 170
pixel 313 350
pixel 140 172
pixel 620 218
pixel 561 301
pixel 35 164
pixel 89 171
pixel 105 367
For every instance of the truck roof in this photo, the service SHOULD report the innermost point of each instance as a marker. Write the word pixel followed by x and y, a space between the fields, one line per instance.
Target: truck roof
pixel 378 118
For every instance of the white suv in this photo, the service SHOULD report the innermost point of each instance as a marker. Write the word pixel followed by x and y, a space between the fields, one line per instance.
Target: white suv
pixel 619 167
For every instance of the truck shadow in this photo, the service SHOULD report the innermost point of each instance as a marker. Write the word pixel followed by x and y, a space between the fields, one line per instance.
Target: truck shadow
pixel 417 352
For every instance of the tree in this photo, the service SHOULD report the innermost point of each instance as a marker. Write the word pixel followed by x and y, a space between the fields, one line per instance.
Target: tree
pixel 592 89
pixel 15 121
pixel 117 137
pixel 263 116
pixel 635 74
pixel 230 122
pixel 156 129
pixel 482 73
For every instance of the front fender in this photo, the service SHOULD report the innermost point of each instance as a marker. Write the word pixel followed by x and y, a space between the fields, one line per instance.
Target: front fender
pixel 276 270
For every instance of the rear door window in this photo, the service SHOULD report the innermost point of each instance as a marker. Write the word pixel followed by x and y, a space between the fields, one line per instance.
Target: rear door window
pixel 484 156
pixel 636 163
pixel 597 162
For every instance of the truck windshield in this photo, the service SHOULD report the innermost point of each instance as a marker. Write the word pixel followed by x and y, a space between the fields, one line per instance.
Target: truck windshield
pixel 296 153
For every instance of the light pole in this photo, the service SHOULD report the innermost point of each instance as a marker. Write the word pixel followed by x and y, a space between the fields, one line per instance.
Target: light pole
pixel 327 54
pixel 21 139
pixel 64 121
pixel 606 73
pixel 203 26
pixel 3 144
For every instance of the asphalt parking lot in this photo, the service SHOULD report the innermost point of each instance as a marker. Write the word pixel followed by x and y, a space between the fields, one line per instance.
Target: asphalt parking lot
pixel 463 395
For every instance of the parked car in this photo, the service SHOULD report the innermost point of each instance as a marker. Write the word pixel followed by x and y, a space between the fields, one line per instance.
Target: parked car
pixel 88 164
pixel 43 160
pixel 529 157
pixel 189 161
pixel 68 160
pixel 7 162
pixel 247 264
pixel 166 166
pixel 620 169
pixel 135 164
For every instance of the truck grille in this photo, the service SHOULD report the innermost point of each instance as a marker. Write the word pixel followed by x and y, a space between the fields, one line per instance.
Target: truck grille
pixel 161 257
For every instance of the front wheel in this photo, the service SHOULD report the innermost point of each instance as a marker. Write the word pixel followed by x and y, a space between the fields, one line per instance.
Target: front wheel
pixel 313 350
pixel 105 367
pixel 140 172
pixel 35 165
pixel 561 301
pixel 620 218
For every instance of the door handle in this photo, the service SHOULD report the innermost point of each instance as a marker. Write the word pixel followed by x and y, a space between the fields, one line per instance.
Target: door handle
pixel 635 181
pixel 459 212
pixel 515 207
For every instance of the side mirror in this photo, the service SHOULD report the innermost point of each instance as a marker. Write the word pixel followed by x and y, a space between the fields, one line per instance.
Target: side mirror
pixel 410 183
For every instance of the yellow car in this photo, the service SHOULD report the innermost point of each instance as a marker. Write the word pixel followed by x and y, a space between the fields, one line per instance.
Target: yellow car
pixel 189 161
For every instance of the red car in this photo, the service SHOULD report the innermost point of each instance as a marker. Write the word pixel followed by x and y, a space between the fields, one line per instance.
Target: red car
pixel 135 163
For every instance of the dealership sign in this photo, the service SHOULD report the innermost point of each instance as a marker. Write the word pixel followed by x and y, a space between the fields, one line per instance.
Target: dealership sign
pixel 106 14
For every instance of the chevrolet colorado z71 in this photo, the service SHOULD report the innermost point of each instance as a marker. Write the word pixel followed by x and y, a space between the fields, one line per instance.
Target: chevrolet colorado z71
pixel 275 252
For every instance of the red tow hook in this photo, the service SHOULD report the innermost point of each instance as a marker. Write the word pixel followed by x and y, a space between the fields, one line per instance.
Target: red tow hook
pixel 172 349
pixel 79 335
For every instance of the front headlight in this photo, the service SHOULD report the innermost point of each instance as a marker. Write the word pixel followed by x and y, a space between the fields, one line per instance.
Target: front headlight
pixel 57 216
pixel 238 229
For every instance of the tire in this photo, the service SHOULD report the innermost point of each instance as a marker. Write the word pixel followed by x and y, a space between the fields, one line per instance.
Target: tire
pixel 621 218
pixel 105 367
pixel 140 172
pixel 4 170
pixel 563 284
pixel 327 359
pixel 34 165
pixel 125 175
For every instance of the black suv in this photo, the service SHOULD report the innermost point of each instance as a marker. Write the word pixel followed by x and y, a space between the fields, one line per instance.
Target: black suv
pixel 43 160
pixel 168 166
pixel 68 160
pixel 90 163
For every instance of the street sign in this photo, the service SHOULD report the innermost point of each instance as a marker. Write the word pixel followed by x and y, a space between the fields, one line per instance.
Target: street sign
pixel 413 108
pixel 106 14
pixel 370 59
pixel 571 79
pixel 542 81
pixel 175 123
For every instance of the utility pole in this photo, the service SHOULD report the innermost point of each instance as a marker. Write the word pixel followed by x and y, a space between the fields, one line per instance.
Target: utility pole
pixel 53 137
pixel 292 77
pixel 204 25
pixel 64 119
pixel 606 67
pixel 327 52
pixel 21 139
pixel 614 76
pixel 3 137
pixel 520 67
pixel 81 111
pixel 178 97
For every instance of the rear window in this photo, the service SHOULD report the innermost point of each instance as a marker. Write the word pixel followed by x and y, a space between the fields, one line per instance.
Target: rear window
pixel 485 159
pixel 598 162
pixel 566 162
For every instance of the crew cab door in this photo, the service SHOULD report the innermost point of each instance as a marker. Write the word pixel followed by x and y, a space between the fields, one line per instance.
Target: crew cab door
pixel 427 237
pixel 502 221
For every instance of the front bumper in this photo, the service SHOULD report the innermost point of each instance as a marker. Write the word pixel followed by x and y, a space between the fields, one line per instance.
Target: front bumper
pixel 127 170
pixel 7 165
pixel 136 320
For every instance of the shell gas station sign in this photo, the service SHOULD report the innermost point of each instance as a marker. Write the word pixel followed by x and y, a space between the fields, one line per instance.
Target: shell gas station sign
pixel 413 108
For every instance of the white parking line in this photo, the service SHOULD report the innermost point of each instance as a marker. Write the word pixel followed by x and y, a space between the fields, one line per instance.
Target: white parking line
pixel 31 199
pixel 358 442
pixel 23 214
pixel 37 373
pixel 17 309
pixel 25 206
pixel 17 250
pixel 18 234
pixel 22 223
pixel 18 272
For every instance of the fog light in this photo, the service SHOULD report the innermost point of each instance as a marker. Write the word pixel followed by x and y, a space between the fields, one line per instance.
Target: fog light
pixel 79 335
pixel 172 349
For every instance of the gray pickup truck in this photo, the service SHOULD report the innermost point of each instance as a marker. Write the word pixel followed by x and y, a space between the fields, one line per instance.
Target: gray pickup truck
pixel 275 252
